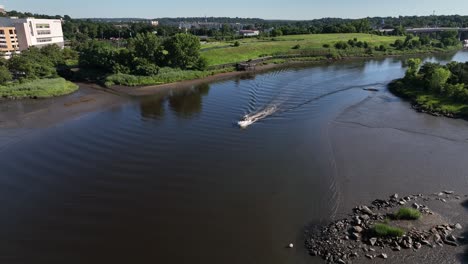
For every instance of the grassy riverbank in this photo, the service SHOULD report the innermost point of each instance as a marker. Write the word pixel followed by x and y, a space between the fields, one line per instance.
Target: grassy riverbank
pixel 42 88
pixel 221 57
pixel 166 75
pixel 312 44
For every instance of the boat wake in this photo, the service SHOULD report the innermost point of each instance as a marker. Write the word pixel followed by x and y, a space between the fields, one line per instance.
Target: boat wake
pixel 250 119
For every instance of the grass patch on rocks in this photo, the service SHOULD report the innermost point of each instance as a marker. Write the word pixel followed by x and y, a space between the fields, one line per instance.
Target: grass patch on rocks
pixel 384 230
pixel 406 213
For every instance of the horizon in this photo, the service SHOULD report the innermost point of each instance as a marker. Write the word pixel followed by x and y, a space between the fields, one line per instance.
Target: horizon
pixel 298 10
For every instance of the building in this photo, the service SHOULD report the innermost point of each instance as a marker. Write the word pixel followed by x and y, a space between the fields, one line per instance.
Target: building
pixel 8 40
pixel 31 32
pixel 2 10
pixel 249 33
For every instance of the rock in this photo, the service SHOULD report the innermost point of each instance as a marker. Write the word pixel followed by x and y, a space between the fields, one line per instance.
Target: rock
pixel 370 256
pixel 358 229
pixel 397 248
pixel 395 196
pixel 458 226
pixel 451 238
pixel 341 261
pixel 372 241
pixel 366 210
pixel 291 245
pixel 384 256
pixel 354 255
pixel 402 202
pixel 425 242
pixel 417 245
pixel 451 243
pixel 365 217
pixel 416 206
pixel 448 192
pixel 356 236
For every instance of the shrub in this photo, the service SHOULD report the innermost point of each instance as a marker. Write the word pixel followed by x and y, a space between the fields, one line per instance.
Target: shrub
pixel 296 46
pixel 326 46
pixel 406 213
pixel 341 45
pixel 383 230
pixel 236 44
pixel 145 67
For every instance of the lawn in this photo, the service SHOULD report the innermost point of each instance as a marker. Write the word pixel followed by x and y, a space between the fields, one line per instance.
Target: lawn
pixel 42 88
pixel 252 48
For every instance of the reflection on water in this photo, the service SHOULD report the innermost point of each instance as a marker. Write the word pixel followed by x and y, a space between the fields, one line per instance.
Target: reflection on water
pixel 184 102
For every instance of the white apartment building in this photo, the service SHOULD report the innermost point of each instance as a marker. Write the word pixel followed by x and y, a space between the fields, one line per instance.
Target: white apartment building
pixel 31 32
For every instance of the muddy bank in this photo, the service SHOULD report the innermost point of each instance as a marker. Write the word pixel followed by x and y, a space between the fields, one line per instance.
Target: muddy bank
pixel 35 113
pixel 382 145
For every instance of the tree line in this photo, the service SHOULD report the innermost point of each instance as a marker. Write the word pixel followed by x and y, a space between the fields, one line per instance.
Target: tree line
pixel 35 63
pixel 447 81
pixel 143 55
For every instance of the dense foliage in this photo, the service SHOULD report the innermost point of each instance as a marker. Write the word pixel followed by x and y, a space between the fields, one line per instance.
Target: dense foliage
pixel 434 87
pixel 143 55
pixel 35 64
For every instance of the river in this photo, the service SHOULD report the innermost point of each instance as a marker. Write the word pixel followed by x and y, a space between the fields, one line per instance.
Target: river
pixel 171 178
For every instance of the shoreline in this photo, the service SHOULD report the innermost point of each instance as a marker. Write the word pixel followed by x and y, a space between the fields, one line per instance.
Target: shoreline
pixel 151 89
pixel 37 113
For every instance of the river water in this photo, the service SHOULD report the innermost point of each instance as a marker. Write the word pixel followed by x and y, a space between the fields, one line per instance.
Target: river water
pixel 171 178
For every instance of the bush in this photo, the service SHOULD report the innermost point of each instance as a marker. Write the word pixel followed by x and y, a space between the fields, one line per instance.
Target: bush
pixel 384 230
pixel 296 46
pixel 145 67
pixel 341 45
pixel 236 44
pixel 326 46
pixel 406 213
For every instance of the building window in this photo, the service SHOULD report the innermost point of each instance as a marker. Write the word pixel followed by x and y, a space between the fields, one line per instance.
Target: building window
pixel 42 26
pixel 43 32
pixel 11 31
pixel 41 40
pixel 2 31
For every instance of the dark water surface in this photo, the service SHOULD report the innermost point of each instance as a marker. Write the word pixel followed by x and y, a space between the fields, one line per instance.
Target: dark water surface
pixel 170 178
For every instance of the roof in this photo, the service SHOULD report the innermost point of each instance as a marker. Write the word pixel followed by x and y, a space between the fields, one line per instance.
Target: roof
pixel 10 22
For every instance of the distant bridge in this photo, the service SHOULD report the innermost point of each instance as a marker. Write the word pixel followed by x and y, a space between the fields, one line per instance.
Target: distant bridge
pixel 434 30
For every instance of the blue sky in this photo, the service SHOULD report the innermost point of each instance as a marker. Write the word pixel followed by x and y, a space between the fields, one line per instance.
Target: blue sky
pixel 280 9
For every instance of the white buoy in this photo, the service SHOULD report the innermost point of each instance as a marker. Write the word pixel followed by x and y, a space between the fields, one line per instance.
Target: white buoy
pixel 291 245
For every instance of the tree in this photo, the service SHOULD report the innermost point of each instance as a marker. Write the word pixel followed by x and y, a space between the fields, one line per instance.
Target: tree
pixel 5 75
pixel 413 68
pixel 53 53
pixel 148 46
pixel 276 32
pixel 183 51
pixel 438 79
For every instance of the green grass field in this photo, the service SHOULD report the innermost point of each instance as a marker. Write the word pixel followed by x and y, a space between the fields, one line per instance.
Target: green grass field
pixel 42 88
pixel 223 52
